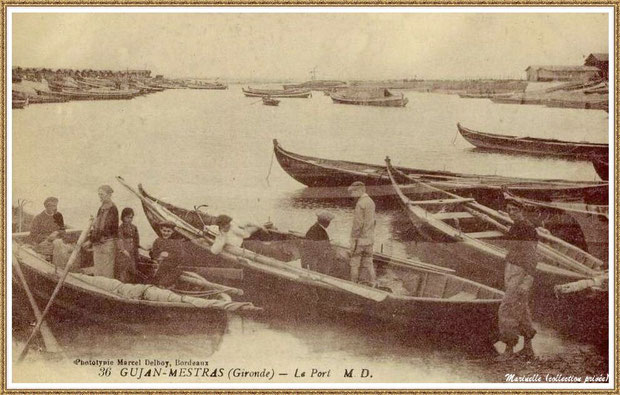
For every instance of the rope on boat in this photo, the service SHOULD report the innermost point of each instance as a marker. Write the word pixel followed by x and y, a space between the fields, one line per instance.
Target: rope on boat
pixel 456 134
pixel 270 166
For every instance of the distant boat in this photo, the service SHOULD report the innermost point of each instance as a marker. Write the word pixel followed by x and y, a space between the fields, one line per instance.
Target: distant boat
pixel 381 97
pixel 206 85
pixel 93 94
pixel 20 103
pixel 268 101
pixel 284 93
pixel 316 85
pixel 534 146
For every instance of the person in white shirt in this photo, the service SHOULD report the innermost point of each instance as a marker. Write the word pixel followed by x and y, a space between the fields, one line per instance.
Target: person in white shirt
pixel 231 233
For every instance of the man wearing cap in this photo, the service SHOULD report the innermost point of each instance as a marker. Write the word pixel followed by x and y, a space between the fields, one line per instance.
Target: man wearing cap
pixel 46 227
pixel 104 234
pixel 169 254
pixel 231 233
pixel 514 314
pixel 362 233
pixel 316 249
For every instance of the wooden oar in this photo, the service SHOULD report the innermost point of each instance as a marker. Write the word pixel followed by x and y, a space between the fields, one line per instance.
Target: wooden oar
pixel 196 279
pixel 72 259
pixel 51 345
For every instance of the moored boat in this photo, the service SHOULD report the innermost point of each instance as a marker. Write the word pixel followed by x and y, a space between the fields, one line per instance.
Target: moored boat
pixel 102 298
pixel 281 93
pixel 461 227
pixel 419 295
pixel 100 94
pixel 534 146
pixel 380 97
pixel 316 85
pixel 329 174
pixel 206 85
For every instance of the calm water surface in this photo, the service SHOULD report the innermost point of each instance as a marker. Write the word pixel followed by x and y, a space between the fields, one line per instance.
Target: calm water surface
pixel 194 147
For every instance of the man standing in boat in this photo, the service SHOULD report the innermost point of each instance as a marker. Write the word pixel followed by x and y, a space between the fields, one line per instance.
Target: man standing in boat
pixel 104 234
pixel 515 318
pixel 362 233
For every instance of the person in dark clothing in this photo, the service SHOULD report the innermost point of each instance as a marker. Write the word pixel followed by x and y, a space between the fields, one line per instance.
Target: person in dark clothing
pixel 316 253
pixel 514 314
pixel 128 243
pixel 169 254
pixel 46 227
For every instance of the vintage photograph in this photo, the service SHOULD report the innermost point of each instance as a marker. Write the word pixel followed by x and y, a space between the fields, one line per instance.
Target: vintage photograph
pixel 309 198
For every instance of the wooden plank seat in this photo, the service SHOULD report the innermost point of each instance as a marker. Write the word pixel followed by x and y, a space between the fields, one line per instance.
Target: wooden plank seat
pixel 453 215
pixel 489 234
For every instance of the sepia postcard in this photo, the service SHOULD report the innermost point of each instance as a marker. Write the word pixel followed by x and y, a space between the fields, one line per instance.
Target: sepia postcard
pixel 310 198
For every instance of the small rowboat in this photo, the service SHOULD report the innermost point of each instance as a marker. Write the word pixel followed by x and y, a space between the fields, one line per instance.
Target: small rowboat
pixel 105 299
pixel 419 295
pixel 268 101
pixel 283 93
pixel 369 97
pixel 534 146
pixel 461 227
pixel 328 174
pixel 102 94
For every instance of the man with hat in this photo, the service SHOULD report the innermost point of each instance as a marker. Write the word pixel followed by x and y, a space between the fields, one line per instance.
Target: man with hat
pixel 104 234
pixel 170 254
pixel 362 233
pixel 316 247
pixel 47 226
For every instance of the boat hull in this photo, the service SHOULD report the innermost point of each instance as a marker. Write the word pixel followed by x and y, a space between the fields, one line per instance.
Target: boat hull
pixel 533 146
pixel 390 102
pixel 332 176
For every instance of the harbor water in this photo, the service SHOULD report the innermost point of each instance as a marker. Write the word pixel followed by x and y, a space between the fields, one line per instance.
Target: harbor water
pixel 194 147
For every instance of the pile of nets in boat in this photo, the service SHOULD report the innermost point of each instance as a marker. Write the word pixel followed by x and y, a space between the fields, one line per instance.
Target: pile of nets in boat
pixel 155 294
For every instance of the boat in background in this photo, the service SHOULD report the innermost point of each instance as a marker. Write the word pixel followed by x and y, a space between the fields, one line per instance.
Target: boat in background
pixel 534 146
pixel 93 94
pixel 206 85
pixel 282 93
pixel 380 97
pixel 327 175
pixel 461 228
pixel 318 85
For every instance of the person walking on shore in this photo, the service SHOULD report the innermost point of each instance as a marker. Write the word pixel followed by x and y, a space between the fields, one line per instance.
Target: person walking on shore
pixel 362 233
pixel 514 315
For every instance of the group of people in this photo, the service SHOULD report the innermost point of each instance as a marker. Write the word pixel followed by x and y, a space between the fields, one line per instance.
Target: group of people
pixel 115 252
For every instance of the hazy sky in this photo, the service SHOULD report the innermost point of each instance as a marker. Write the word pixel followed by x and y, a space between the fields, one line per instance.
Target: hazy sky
pixel 343 46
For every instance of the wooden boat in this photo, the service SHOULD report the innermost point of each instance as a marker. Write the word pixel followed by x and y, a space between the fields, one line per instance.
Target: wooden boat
pixel 461 227
pixel 534 146
pixel 19 103
pixel 601 167
pixel 283 93
pixel 316 85
pixel 427 296
pixel 108 299
pixel 380 97
pixel 207 85
pixel 102 94
pixel 583 225
pixel 268 101
pixel 327 174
